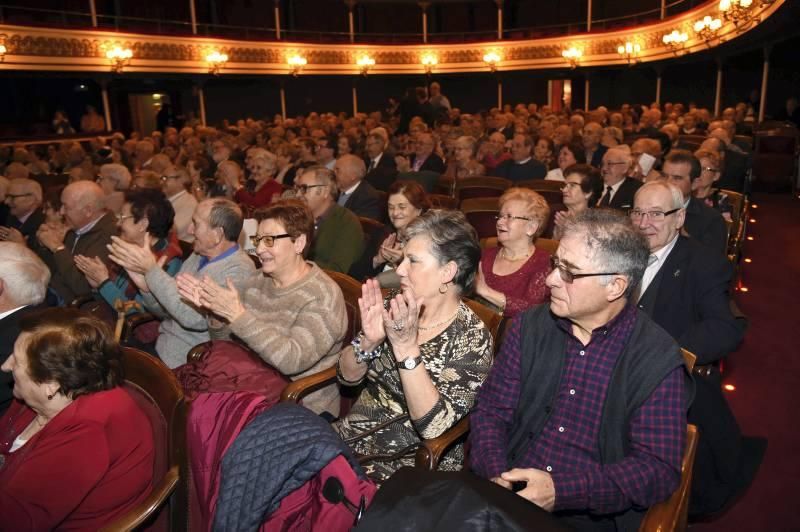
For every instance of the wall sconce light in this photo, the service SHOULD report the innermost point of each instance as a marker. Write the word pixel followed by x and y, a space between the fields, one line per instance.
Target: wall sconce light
pixel 216 60
pixel 675 40
pixel 365 63
pixel 707 28
pixel 296 64
pixel 572 55
pixel 491 59
pixel 119 57
pixel 3 51
pixel 630 52
pixel 428 62
pixel 736 11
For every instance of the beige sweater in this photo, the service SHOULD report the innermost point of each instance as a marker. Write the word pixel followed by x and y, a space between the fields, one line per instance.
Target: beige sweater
pixel 297 329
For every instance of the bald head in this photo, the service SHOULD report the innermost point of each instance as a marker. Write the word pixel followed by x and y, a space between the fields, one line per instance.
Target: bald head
pixel 82 203
pixel 349 170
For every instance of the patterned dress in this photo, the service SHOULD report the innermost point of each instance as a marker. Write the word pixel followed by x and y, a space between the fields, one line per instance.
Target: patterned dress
pixel 458 361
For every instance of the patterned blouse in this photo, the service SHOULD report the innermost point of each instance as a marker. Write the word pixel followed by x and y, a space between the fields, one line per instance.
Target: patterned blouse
pixel 458 361
pixel 525 287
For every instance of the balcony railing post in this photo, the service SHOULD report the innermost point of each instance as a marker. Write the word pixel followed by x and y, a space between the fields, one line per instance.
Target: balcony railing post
pixel 588 15
pixel 93 12
pixel 718 92
pixel 499 19
pixel 351 5
pixel 106 105
pixel 278 20
pixel 424 7
pixel 764 79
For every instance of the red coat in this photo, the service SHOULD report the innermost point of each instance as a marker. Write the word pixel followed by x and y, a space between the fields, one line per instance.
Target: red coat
pixel 88 466
pixel 260 198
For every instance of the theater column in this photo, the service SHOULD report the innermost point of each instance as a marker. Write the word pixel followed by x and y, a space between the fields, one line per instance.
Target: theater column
pixel 764 78
pixel 718 92
pixel 588 20
pixel 424 7
pixel 93 12
pixel 193 16
pixel 106 105
pixel 586 94
pixel 277 5
pixel 201 102
pixel 351 6
pixel 659 70
pixel 499 18
pixel 283 100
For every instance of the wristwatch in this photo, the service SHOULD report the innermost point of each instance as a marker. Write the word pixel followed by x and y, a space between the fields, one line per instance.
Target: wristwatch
pixel 409 363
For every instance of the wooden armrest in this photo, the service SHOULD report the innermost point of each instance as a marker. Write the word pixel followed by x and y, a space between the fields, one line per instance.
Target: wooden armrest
pixel 196 352
pixel 135 517
pixel 134 320
pixel 431 451
pixel 298 389
pixel 79 301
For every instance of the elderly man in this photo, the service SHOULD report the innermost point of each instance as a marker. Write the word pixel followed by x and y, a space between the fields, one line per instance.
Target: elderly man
pixel 585 407
pixel 618 188
pixel 24 201
pixel 737 162
pixel 175 183
pixel 522 166
pixel 592 135
pixel 216 225
pixel 338 237
pixel 326 152
pixel 644 168
pixel 423 159
pixel 23 286
pixel 381 166
pixel 703 223
pixel 88 231
pixel 114 179
pixel 685 290
pixel 562 135
pixel 355 193
pixel 144 151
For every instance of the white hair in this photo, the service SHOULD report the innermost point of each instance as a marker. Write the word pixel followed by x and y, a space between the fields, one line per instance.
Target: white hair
pixel 25 276
pixel 675 194
pixel 118 173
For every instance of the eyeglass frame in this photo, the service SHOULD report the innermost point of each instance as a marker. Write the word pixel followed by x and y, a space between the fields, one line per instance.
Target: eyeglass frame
pixel 15 196
pixel 709 169
pixel 165 177
pixel 658 217
pixel 122 217
pixel 269 240
pixel 303 189
pixel 568 276
pixel 509 217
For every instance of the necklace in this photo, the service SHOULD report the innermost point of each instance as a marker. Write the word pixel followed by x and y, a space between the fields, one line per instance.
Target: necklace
pixel 448 320
pixel 516 259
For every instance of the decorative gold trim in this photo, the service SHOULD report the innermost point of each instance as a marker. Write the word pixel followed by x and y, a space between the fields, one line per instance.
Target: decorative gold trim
pixel 30 48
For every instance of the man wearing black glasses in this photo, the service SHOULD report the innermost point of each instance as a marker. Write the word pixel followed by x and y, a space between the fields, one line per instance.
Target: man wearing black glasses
pixel 584 411
pixel 685 291
pixel 24 200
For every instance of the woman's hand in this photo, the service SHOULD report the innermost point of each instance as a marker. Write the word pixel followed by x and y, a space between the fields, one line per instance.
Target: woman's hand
pixel 480 282
pixel 93 268
pixel 561 218
pixel 370 304
pixel 132 257
pixel 391 250
pixel 401 320
pixel 189 288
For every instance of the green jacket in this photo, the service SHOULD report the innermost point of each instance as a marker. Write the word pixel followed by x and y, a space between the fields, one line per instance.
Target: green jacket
pixel 339 240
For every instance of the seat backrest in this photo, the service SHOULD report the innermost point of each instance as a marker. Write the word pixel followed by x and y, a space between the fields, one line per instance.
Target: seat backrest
pixel 737 201
pixel 689 358
pixel 477 187
pixel 351 290
pixel 480 204
pixel 158 392
pixel 443 201
pixel 541 184
pixel 490 318
pixel 548 244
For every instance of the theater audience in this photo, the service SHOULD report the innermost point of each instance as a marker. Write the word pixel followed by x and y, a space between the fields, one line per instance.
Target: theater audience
pixel 522 166
pixel 216 225
pixel 618 188
pixel 542 418
pixel 174 184
pixel 290 313
pixel 381 166
pixel 703 187
pixel 420 365
pixel 582 188
pixel 464 164
pixel 77 450
pixel 511 275
pixel 114 179
pixel 261 189
pixel 423 159
pixel 543 151
pixel 338 238
pixel 25 214
pixel 494 151
pixel 87 231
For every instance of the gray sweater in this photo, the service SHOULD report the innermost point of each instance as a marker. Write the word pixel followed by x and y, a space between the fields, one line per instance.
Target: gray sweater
pixel 184 325
pixel 297 329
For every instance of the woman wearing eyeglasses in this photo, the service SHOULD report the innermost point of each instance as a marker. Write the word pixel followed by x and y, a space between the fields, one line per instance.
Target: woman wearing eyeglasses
pixel 568 154
pixel 290 313
pixel 583 186
pixel 703 187
pixel 512 274
pixel 145 219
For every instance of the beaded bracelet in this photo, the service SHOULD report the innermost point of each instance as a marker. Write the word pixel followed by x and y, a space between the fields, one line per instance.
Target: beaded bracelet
pixel 361 355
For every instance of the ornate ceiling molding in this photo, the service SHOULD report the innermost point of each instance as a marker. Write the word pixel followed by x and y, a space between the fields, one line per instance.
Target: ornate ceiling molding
pixel 46 49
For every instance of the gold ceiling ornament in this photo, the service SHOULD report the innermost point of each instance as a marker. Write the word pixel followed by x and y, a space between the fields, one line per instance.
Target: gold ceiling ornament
pixel 707 28
pixel 739 12
pixel 676 40
pixel 429 60
pixel 572 55
pixel 365 62
pixel 492 59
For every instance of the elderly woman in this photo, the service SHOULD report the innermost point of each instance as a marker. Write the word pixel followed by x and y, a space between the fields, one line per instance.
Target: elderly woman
pixel 76 451
pixel 511 275
pixel 569 154
pixel 261 188
pixel 543 151
pixel 407 200
pixel 347 144
pixel 703 187
pixel 422 354
pixel 494 151
pixel 114 179
pixel 290 313
pixel 146 219
pixel 583 186
pixel 464 163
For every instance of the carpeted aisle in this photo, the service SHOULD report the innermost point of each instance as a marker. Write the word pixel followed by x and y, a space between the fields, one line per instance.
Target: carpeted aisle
pixel 766 369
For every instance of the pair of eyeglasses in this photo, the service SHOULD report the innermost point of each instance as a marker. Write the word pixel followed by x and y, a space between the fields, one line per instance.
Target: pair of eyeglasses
pixel 268 240
pixel 302 189
pixel 608 163
pixel 653 216
pixel 566 275
pixel 15 196
pixel 122 217
pixel 509 217
pixel 165 177
pixel 568 185
pixel 709 169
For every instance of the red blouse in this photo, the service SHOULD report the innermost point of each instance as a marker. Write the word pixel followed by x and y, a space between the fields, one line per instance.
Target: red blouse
pixel 261 197
pixel 525 287
pixel 89 465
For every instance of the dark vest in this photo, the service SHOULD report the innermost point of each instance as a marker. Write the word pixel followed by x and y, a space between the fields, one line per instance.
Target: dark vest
pixel 649 356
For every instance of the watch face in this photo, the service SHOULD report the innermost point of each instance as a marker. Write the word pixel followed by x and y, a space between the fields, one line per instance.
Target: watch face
pixel 409 363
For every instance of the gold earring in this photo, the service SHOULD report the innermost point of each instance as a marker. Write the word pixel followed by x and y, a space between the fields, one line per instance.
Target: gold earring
pixel 446 288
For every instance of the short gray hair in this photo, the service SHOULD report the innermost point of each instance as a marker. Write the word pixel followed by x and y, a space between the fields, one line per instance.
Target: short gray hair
pixel 226 215
pixel 118 173
pixel 452 239
pixel 324 176
pixel 618 246
pixel 25 276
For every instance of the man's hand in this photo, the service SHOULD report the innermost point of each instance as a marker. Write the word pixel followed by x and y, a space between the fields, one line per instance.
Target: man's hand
pixel 51 238
pixel 539 490
pixel 500 482
pixel 9 234
pixel 93 268
pixel 402 163
pixel 134 258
